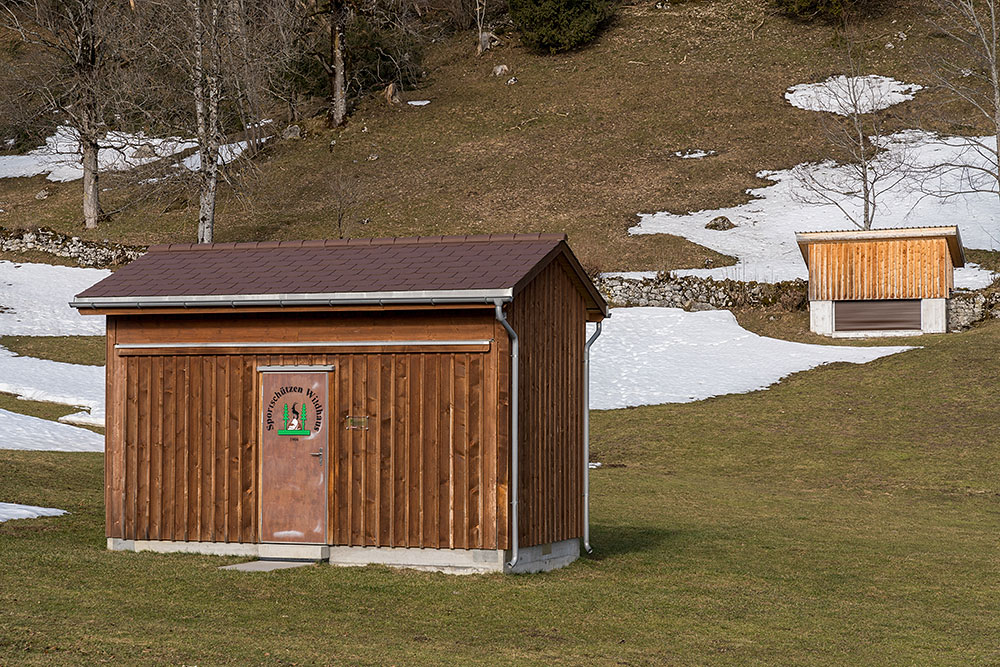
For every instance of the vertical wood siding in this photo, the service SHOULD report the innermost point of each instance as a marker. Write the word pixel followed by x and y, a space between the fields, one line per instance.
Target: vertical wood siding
pixel 549 316
pixel 432 468
pixel 182 452
pixel 889 269
pixel 415 476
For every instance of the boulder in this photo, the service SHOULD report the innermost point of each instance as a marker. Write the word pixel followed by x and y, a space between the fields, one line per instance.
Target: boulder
pixel 292 132
pixel 145 152
pixel 720 224
pixel 500 70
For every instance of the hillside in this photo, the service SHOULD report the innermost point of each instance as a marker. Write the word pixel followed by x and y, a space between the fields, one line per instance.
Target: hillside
pixel 581 143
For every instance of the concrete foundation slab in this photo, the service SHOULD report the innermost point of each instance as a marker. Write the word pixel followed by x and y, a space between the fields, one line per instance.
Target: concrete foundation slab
pixel 538 558
pixel 266 565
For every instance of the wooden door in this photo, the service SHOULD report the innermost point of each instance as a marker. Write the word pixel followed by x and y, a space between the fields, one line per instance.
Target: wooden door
pixel 294 452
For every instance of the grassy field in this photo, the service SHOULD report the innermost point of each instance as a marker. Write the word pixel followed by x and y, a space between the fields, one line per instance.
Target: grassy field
pixel 847 515
pixel 581 143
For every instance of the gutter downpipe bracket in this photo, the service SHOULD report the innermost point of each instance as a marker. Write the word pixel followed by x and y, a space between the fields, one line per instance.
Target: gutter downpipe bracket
pixel 514 469
pixel 586 438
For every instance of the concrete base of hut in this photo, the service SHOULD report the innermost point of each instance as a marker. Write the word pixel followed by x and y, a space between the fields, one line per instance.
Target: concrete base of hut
pixel 538 558
pixel 933 319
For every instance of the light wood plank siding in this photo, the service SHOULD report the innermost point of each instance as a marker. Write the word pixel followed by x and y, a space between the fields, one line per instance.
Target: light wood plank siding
pixel 549 316
pixel 918 268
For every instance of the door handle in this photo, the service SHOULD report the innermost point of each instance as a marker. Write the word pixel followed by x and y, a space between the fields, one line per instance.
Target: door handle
pixel 319 453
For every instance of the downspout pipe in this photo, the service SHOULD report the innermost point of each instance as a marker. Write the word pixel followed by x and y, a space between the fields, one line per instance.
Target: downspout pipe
pixel 586 438
pixel 514 469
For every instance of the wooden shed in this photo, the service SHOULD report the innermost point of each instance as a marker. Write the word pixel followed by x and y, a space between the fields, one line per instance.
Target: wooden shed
pixel 881 282
pixel 411 401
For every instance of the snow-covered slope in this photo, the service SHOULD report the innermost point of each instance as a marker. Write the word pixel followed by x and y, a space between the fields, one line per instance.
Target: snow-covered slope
pixel 19 431
pixel 34 300
pixel 647 356
pixel 60 156
pixel 44 380
pixel 764 237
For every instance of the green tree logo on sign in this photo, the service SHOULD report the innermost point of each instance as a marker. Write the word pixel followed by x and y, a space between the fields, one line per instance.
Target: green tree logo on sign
pixel 294 426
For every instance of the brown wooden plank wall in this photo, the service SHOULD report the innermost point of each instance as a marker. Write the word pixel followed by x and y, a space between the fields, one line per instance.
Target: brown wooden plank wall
pixel 182 457
pixel 189 449
pixel 416 476
pixel 549 316
pixel 889 269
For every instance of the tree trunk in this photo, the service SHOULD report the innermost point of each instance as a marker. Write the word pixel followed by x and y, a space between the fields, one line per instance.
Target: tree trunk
pixel 207 69
pixel 338 89
pixel 209 182
pixel 91 191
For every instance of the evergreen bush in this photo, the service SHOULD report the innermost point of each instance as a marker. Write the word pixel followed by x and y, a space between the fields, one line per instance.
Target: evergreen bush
pixel 558 25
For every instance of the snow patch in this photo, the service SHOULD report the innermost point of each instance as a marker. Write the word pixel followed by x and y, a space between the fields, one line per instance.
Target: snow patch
pixel 764 239
pixel 418 103
pixel 60 158
pixel 834 95
pixel 694 154
pixel 647 356
pixel 35 300
pixel 10 511
pixel 630 275
pixel 19 431
pixel 228 153
pixel 55 382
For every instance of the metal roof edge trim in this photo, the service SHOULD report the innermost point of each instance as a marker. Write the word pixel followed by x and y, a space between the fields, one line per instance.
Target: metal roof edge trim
pixel 433 297
pixel 337 243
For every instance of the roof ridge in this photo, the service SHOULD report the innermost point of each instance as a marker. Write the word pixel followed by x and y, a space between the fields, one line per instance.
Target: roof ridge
pixel 333 243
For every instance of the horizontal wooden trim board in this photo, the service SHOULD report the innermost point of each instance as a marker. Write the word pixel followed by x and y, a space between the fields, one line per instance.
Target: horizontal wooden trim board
pixel 229 348
pixel 338 343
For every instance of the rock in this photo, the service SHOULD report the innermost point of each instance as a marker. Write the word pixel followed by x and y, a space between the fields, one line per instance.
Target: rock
pixel 500 70
pixel 391 94
pixel 42 194
pixel 720 224
pixel 86 253
pixel 292 132
pixel 144 152
pixel 487 40
pixel 511 81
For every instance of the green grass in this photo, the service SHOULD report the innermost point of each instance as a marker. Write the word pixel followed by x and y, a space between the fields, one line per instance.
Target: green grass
pixel 88 350
pixel 847 515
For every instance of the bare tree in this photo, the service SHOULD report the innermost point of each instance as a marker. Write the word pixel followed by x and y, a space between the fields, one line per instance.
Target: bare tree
pixel 221 58
pixel 969 74
pixel 80 73
pixel 856 132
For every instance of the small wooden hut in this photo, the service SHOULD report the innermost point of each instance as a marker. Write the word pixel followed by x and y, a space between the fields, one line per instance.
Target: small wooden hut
pixel 880 282
pixel 416 401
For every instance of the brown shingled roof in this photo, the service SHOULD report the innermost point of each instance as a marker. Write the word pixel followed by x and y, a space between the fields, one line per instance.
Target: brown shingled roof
pixel 343 267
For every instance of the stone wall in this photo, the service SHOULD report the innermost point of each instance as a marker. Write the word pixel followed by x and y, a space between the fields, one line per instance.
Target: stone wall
pixel 86 253
pixel 690 293
pixel 967 308
pixel 693 293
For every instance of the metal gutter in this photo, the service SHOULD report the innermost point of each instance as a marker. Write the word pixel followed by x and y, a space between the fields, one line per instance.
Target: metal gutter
pixel 429 297
pixel 514 468
pixel 311 343
pixel 586 438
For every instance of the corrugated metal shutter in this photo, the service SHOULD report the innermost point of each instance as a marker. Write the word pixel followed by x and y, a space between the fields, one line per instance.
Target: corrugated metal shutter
pixel 882 315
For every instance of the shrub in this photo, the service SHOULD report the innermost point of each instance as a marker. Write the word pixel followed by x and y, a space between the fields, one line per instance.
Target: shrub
pixel 825 10
pixel 558 25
